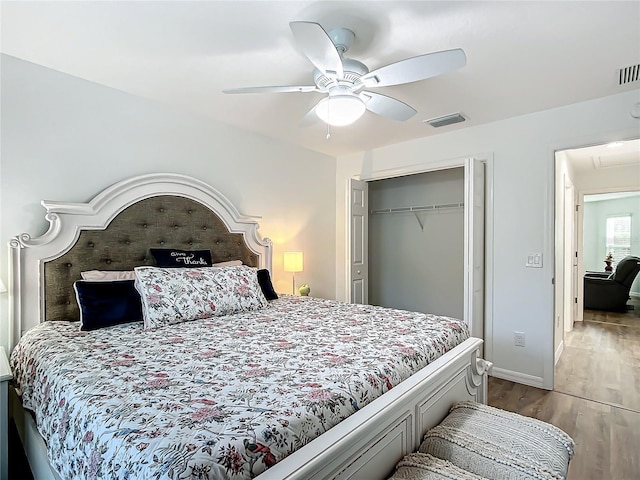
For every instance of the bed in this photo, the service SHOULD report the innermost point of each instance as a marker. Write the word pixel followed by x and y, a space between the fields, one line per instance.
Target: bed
pixel 292 388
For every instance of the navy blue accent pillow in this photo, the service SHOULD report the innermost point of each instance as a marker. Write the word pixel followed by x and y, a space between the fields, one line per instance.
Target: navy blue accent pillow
pixel 264 279
pixel 104 304
pixel 173 258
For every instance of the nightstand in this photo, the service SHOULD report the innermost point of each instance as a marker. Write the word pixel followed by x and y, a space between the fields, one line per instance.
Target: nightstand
pixel 5 377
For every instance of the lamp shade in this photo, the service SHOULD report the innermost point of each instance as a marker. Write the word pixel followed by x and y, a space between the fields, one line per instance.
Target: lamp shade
pixel 293 261
pixel 340 110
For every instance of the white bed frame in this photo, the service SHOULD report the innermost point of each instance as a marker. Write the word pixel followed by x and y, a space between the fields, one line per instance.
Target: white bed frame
pixel 366 446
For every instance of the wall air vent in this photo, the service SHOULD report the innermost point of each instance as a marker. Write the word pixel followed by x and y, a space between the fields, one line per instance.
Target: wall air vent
pixel 629 74
pixel 446 120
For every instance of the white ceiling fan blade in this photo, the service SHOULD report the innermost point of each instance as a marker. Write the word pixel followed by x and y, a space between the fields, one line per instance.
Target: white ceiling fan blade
pixel 316 44
pixel 387 106
pixel 416 68
pixel 275 89
pixel 310 118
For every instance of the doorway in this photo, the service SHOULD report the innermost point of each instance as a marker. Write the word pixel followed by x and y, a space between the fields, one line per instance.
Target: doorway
pixel 580 245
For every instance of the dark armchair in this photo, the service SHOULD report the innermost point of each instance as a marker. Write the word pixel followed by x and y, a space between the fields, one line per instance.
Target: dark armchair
pixel 611 292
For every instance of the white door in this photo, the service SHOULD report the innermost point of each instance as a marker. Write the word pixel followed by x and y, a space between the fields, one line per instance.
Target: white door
pixel 569 252
pixel 574 259
pixel 358 232
pixel 474 245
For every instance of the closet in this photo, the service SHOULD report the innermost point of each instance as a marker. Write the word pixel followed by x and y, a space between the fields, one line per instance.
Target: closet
pixel 416 242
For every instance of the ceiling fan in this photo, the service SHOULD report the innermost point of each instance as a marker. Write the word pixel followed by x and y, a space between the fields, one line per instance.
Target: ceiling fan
pixel 347 81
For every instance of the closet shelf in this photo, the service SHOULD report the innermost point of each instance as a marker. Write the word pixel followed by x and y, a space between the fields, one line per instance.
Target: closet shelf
pixel 417 209
pixel 421 208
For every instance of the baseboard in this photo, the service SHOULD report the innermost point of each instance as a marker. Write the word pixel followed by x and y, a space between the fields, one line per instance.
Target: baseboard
pixel 517 377
pixel 559 351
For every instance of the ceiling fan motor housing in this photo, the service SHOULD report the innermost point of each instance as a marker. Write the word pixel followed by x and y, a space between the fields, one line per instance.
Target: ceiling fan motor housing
pixel 353 71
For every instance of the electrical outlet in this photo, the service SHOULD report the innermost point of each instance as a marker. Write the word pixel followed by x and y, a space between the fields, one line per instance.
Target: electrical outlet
pixel 518 339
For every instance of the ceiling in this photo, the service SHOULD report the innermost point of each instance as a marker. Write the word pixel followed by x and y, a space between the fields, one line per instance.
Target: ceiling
pixel 522 57
pixel 612 155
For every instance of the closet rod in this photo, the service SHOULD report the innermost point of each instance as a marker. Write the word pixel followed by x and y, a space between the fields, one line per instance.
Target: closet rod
pixel 420 208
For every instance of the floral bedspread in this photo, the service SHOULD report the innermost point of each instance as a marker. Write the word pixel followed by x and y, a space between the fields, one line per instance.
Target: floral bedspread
pixel 220 398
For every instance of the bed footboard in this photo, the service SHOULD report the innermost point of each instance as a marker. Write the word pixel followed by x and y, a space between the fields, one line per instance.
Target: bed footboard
pixel 369 443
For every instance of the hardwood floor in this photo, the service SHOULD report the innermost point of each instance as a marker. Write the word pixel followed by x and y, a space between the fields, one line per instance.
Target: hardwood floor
pixel 601 358
pixel 596 398
pixel 607 438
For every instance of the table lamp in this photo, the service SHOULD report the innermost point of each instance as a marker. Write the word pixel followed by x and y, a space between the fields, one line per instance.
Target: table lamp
pixel 293 262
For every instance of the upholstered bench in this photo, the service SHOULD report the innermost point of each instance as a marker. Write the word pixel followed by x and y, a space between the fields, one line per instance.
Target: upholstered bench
pixel 478 441
pixel 422 466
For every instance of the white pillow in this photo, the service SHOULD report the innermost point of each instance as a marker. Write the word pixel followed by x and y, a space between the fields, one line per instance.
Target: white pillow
pixel 230 263
pixel 108 275
pixel 176 295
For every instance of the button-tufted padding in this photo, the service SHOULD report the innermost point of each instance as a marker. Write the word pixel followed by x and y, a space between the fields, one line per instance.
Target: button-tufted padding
pixel 125 244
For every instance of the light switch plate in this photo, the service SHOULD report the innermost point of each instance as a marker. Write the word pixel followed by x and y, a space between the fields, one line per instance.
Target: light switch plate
pixel 534 260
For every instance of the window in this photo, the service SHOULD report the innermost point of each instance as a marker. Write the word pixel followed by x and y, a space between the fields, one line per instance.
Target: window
pixel 618 237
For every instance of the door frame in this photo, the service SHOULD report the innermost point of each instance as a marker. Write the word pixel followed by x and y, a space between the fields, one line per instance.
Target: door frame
pixel 424 167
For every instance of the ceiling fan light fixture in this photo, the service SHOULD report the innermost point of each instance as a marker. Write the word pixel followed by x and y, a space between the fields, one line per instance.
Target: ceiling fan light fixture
pixel 340 110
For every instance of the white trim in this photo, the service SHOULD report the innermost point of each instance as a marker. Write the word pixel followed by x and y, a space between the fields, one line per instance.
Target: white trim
pixel 559 351
pixel 489 293
pixel 596 191
pixel 549 270
pixel 347 250
pixel 421 167
pixel 518 377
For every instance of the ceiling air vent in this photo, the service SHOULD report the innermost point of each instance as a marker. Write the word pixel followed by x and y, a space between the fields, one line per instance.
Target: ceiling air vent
pixel 446 120
pixel 629 74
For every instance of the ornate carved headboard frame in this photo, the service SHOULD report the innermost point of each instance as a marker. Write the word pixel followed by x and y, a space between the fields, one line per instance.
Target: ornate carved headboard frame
pixel 114 231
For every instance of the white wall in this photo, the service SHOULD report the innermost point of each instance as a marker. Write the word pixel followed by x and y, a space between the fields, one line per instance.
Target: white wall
pixel 523 190
pixel 66 139
pixel 595 217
